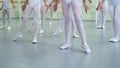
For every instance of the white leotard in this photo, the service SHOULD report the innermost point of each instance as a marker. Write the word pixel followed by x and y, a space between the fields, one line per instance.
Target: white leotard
pixel 6 4
pixel 105 4
pixel 32 3
pixel 114 2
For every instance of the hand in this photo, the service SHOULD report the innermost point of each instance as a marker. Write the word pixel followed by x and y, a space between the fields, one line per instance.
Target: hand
pixel 99 7
pixel 90 1
pixel 55 7
pixel 86 7
pixel 23 7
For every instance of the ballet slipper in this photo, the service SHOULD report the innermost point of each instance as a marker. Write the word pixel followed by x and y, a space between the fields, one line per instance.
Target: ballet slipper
pixel 9 28
pixel 34 41
pixel 65 46
pixel 41 31
pixel 57 32
pixel 114 40
pixel 17 36
pixel 86 49
pixel 75 35
pixel 100 27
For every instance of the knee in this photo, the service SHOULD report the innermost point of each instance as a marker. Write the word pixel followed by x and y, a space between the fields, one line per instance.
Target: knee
pixel 36 21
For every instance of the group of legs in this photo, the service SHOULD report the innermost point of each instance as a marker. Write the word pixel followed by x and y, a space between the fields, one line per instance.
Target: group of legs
pixel 102 15
pixel 75 18
pixel 74 4
pixel 115 16
pixel 29 9
pixel 114 8
pixel 4 13
pixel 43 11
pixel 6 6
pixel 76 8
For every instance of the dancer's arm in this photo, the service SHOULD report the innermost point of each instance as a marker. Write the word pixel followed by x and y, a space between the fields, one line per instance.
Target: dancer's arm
pixel 55 4
pixel 13 3
pixel 85 6
pixel 56 1
pixel 90 1
pixel 99 7
pixel 46 4
pixel 24 5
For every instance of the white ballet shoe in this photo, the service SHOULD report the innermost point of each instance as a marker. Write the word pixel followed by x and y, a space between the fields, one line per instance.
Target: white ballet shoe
pixel 34 41
pixel 9 28
pixel 100 27
pixel 75 36
pixel 17 36
pixel 65 46
pixel 87 49
pixel 114 40
pixel 57 32
pixel 50 23
pixel 41 31
pixel 40 23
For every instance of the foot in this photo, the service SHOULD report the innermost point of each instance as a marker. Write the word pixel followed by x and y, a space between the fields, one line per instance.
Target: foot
pixel 9 28
pixel 50 23
pixel 65 46
pixel 57 32
pixel 17 36
pixel 40 23
pixel 34 41
pixel 41 31
pixel 114 40
pixel 75 36
pixel 87 49
pixel 100 27
pixel 2 28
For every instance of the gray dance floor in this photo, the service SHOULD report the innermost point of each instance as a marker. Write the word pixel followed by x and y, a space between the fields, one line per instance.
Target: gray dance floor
pixel 46 54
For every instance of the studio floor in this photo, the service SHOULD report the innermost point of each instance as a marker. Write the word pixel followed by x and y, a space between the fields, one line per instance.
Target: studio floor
pixel 46 53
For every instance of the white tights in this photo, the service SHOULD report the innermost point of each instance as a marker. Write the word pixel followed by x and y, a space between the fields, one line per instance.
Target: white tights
pixel 4 12
pixel 62 22
pixel 27 14
pixel 102 15
pixel 115 15
pixel 43 13
pixel 75 5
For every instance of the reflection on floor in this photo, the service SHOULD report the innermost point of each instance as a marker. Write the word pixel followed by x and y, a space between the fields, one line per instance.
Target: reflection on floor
pixel 46 54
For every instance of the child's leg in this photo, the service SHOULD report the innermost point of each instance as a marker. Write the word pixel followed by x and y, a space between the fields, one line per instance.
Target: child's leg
pixel 61 23
pixel 43 12
pixel 102 16
pixel 77 15
pixel 51 14
pixel 9 18
pixel 3 18
pixel 73 25
pixel 36 22
pixel 104 13
pixel 115 14
pixel 66 10
pixel 99 25
pixel 27 14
